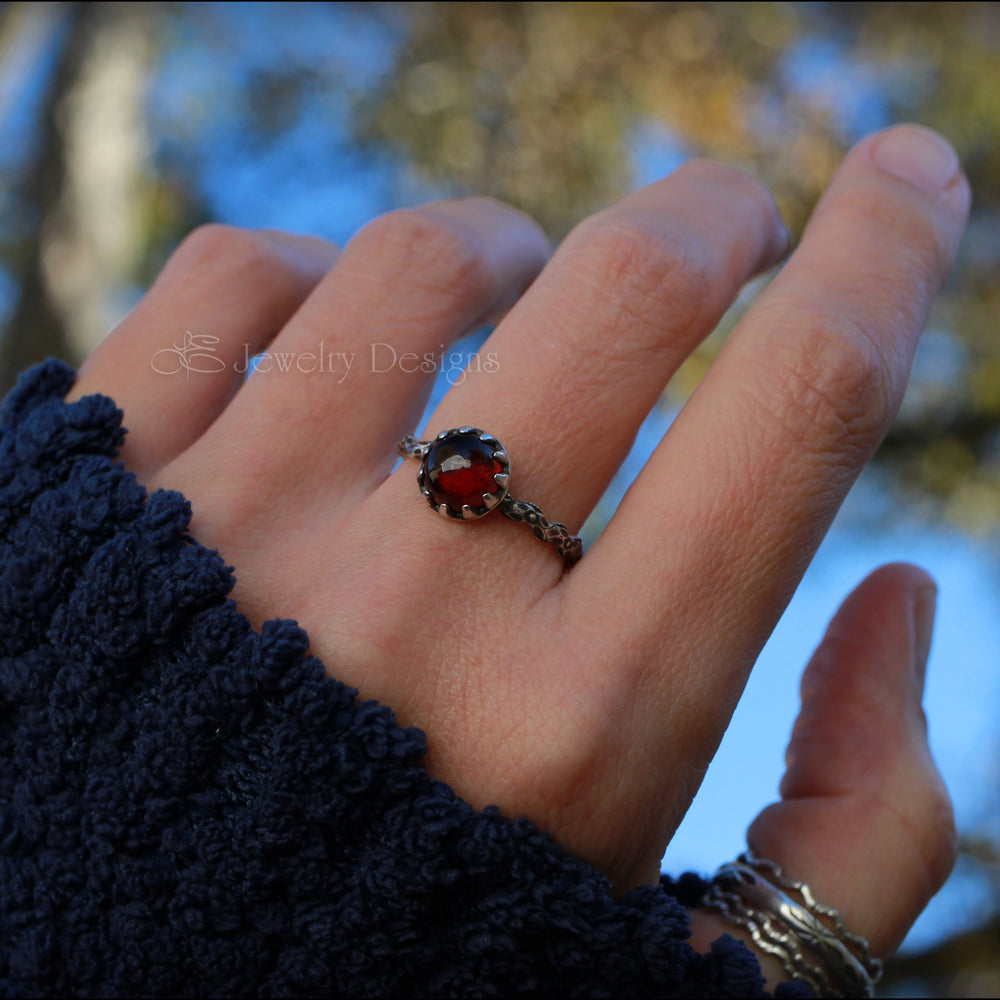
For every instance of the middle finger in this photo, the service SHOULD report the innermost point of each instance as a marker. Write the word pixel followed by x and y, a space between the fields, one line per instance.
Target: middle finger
pixel 588 350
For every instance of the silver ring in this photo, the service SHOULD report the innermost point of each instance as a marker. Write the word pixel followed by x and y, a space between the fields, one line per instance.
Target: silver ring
pixel 464 474
pixel 808 938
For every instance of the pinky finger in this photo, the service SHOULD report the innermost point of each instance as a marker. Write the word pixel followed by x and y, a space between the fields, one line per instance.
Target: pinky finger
pixel 177 359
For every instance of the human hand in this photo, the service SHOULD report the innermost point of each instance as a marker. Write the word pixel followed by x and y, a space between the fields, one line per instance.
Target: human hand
pixel 590 700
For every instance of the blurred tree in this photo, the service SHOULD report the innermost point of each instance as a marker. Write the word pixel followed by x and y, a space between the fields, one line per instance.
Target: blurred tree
pixel 83 186
pixel 36 328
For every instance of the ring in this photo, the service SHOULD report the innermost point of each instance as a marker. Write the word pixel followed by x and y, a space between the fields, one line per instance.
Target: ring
pixel 464 474
pixel 808 938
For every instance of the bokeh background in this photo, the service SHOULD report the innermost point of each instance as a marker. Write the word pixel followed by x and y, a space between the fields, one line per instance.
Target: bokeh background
pixel 122 126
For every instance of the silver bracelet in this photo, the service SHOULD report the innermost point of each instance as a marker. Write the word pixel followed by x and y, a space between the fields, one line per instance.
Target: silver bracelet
pixel 830 960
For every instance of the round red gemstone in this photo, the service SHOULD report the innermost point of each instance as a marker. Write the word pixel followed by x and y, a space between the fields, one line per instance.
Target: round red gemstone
pixel 459 470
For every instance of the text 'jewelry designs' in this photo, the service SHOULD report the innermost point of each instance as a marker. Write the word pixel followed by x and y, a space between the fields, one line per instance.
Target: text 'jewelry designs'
pixel 464 473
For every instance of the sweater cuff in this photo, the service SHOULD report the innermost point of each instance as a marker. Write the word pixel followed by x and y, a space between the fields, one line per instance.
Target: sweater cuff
pixel 192 807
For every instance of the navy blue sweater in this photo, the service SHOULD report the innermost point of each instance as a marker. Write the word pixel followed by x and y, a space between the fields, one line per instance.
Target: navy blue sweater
pixel 190 807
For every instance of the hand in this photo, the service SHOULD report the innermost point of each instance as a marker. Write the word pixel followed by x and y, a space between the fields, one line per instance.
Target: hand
pixel 590 700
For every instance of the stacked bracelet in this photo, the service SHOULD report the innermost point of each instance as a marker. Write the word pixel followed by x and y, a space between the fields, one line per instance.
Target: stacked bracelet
pixel 808 938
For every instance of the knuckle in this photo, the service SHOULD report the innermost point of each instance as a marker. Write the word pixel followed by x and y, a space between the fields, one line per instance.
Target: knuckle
pixel 827 385
pixel 425 252
pixel 940 844
pixel 715 176
pixel 646 279
pixel 908 234
pixel 226 253
pixel 918 812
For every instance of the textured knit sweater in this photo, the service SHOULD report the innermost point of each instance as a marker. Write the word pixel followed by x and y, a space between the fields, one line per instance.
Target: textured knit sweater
pixel 191 807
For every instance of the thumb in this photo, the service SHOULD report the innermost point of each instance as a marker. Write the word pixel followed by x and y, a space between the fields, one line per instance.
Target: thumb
pixel 864 817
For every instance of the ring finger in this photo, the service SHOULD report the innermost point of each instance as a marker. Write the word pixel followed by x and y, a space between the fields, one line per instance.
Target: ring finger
pixel 585 354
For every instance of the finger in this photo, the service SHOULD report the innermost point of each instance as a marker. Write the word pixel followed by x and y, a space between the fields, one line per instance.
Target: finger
pixel 405 288
pixel 176 360
pixel 587 352
pixel 864 816
pixel 725 517
pixel 864 819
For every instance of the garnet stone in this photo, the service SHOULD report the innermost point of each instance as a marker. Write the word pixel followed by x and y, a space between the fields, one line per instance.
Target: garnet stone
pixel 459 469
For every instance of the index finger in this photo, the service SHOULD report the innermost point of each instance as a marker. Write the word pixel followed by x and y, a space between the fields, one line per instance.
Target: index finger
pixel 718 529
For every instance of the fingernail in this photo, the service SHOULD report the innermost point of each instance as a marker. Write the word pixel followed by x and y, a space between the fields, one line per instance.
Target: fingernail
pixel 924 607
pixel 917 155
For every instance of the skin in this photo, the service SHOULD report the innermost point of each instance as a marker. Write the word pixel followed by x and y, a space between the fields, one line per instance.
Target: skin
pixel 590 700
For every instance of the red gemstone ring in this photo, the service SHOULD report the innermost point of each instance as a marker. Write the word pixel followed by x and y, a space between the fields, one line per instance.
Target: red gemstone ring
pixel 464 474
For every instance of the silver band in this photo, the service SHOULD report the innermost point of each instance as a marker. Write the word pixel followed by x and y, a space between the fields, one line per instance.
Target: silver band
pixel 493 492
pixel 810 939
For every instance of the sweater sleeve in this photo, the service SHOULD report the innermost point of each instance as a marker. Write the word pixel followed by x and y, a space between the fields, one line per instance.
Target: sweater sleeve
pixel 191 807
